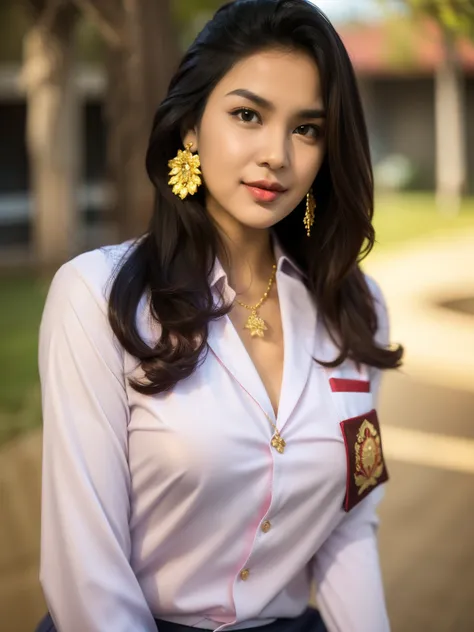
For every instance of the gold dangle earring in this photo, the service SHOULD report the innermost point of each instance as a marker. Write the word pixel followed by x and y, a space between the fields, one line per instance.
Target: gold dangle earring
pixel 185 172
pixel 309 215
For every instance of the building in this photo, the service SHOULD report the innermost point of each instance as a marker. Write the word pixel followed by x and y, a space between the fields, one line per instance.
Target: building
pixel 16 205
pixel 397 65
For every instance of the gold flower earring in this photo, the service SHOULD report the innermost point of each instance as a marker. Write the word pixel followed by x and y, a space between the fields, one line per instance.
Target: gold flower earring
pixel 309 215
pixel 185 172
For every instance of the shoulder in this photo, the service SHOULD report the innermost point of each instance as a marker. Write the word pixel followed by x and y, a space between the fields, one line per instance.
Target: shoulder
pixel 95 269
pixel 376 292
pixel 80 288
pixel 78 297
pixel 87 279
pixel 75 335
pixel 381 309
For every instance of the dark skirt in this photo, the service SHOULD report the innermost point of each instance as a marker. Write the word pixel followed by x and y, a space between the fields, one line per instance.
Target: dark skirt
pixel 309 621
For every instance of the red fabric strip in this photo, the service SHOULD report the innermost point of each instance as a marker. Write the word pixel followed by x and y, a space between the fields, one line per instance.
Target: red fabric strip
pixel 340 385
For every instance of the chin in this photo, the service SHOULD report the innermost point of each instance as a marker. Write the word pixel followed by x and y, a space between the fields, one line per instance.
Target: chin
pixel 257 225
pixel 258 219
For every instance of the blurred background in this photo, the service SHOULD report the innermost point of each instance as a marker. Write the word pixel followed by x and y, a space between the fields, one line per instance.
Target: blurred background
pixel 79 82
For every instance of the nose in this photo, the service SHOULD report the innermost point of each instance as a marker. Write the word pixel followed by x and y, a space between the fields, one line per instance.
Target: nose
pixel 275 150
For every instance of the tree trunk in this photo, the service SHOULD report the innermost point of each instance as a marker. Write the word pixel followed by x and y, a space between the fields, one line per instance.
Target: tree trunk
pixel 139 72
pixel 52 136
pixel 116 104
pixel 451 149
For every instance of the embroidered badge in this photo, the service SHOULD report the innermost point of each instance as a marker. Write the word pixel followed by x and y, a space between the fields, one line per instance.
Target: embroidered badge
pixel 365 463
pixel 369 462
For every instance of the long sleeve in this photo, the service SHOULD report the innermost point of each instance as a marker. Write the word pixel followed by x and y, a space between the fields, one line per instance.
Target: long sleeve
pixel 382 335
pixel 349 587
pixel 85 541
pixel 347 569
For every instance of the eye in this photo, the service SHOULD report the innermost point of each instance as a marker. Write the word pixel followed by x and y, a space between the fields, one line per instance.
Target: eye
pixel 314 131
pixel 245 115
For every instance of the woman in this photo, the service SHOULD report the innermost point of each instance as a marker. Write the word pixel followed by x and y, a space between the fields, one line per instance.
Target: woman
pixel 211 445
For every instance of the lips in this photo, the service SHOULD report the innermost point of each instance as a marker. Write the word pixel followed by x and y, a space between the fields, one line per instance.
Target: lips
pixel 262 195
pixel 267 186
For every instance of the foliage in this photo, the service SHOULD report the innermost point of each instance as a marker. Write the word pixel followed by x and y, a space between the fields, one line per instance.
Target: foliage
pixel 90 45
pixel 186 10
pixel 401 44
pixel 22 302
pixel 13 25
pixel 456 16
pixel 192 15
pixel 15 20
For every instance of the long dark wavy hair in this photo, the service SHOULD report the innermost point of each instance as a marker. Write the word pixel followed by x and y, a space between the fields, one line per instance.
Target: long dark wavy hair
pixel 172 262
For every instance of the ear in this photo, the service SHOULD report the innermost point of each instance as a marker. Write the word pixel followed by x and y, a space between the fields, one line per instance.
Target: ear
pixel 191 137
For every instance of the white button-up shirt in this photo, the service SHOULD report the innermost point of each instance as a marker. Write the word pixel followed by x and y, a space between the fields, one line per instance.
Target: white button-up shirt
pixel 175 505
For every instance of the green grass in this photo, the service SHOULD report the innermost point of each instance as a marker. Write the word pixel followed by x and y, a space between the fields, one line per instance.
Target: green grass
pixel 397 220
pixel 22 302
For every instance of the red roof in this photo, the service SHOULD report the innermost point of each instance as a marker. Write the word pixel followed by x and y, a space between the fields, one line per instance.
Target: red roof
pixel 401 47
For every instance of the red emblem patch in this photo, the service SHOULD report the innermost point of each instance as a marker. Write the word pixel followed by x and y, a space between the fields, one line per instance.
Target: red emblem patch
pixel 365 463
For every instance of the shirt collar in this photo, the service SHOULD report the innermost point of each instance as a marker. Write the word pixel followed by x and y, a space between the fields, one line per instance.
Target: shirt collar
pixel 284 264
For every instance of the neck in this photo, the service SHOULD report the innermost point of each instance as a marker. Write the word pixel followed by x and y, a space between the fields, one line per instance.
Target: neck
pixel 247 260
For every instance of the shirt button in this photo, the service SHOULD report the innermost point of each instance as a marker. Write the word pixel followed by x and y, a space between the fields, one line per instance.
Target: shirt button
pixel 244 574
pixel 266 526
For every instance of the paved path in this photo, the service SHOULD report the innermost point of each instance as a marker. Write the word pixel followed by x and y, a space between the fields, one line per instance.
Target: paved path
pixel 427 518
pixel 427 410
pixel 416 280
pixel 21 601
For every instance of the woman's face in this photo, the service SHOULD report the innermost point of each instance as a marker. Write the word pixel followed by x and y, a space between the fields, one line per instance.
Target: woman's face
pixel 263 123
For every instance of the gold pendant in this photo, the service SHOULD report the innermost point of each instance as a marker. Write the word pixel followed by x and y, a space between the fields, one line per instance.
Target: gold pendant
pixel 278 442
pixel 256 325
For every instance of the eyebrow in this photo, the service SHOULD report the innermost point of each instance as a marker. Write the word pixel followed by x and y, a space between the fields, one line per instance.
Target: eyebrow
pixel 264 103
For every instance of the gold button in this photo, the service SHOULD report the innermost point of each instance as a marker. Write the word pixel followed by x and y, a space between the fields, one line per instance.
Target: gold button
pixel 244 574
pixel 266 526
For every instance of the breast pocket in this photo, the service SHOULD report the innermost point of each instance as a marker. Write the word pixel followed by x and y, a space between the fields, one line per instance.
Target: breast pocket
pixel 366 468
pixel 360 429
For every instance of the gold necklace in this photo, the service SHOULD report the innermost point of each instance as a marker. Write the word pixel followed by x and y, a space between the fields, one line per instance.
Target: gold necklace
pixel 255 323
